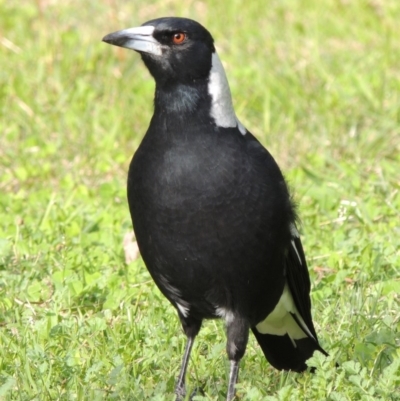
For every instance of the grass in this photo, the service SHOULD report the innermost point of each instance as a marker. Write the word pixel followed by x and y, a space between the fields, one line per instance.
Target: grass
pixel 317 81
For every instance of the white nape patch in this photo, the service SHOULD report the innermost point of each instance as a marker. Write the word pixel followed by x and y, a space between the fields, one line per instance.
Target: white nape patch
pixel 221 100
pixel 280 321
pixel 141 40
pixel 183 309
pixel 225 314
pixel 241 127
pixel 293 231
pixel 295 249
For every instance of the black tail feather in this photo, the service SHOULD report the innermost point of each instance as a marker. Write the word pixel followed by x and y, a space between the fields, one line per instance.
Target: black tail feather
pixel 283 355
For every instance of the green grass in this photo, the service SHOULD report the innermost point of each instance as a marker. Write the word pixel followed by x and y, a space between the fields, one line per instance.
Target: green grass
pixel 317 81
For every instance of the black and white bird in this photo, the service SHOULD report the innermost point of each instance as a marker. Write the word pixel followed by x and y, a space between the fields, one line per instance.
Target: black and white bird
pixel 210 208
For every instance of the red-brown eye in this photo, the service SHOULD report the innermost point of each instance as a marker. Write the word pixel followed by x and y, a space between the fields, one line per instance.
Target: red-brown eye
pixel 178 38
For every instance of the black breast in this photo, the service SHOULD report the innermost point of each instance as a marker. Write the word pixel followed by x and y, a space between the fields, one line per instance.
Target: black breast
pixel 210 212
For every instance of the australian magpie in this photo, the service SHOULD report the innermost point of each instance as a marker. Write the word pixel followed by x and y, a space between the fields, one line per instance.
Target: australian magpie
pixel 211 211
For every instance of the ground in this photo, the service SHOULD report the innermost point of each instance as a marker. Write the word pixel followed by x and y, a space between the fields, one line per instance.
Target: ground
pixel 317 81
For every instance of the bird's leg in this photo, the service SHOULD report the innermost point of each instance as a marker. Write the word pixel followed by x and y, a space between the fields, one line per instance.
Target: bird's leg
pixel 180 390
pixel 233 376
pixel 191 328
pixel 238 335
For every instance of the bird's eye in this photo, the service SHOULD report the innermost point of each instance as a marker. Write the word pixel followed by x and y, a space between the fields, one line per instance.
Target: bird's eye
pixel 178 38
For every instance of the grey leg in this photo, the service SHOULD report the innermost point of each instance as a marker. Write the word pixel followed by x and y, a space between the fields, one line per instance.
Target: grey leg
pixel 238 335
pixel 191 327
pixel 180 390
pixel 233 376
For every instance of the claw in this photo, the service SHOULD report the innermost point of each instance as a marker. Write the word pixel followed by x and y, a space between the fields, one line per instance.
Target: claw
pixel 196 391
pixel 180 392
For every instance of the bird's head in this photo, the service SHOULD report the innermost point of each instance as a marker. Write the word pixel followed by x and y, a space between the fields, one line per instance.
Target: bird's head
pixel 189 75
pixel 173 49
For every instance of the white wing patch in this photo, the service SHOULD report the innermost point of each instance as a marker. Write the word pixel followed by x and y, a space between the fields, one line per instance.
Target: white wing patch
pixel 183 309
pixel 221 107
pixel 176 296
pixel 295 234
pixel 280 321
pixel 295 249
pixel 293 231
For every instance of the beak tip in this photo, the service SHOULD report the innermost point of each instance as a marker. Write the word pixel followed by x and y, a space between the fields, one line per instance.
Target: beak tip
pixel 106 39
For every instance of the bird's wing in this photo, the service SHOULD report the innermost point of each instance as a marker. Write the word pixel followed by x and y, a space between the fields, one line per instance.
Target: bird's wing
pixel 299 283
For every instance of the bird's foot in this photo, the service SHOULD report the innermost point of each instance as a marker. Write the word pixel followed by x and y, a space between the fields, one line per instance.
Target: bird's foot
pixel 196 391
pixel 180 392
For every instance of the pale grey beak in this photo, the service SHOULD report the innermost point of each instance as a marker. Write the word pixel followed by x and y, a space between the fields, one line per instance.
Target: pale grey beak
pixel 140 39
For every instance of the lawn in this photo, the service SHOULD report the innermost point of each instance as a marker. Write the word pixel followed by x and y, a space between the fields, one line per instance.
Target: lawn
pixel 317 81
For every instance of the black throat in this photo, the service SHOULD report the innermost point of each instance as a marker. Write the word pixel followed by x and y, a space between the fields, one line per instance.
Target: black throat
pixel 183 102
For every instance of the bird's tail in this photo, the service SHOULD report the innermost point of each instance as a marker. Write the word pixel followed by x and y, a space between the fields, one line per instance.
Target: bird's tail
pixel 284 354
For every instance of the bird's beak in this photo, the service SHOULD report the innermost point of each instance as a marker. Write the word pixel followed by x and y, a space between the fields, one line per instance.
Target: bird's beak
pixel 140 39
